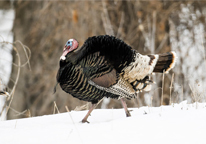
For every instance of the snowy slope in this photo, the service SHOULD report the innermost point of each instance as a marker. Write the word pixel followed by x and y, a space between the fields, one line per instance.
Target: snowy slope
pixel 180 124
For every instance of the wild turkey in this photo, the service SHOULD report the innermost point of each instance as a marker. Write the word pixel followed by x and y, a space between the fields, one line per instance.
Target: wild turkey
pixel 106 66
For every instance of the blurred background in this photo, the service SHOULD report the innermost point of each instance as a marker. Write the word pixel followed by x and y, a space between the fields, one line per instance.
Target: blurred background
pixel 38 30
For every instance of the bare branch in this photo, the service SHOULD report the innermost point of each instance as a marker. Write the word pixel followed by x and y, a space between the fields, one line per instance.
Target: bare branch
pixel 106 21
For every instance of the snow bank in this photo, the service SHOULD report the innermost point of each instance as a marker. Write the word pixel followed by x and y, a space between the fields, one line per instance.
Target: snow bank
pixel 179 123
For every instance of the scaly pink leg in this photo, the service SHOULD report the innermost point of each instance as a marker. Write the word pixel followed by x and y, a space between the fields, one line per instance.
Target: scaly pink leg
pixel 125 107
pixel 88 113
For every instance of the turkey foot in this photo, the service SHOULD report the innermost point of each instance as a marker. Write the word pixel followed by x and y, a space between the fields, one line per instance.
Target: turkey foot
pixel 125 107
pixel 128 114
pixel 84 120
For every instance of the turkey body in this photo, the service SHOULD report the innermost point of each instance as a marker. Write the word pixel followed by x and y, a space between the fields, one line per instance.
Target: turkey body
pixel 99 56
pixel 73 80
pixel 105 66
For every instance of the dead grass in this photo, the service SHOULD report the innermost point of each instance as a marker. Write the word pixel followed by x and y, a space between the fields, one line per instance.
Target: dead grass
pixel 18 65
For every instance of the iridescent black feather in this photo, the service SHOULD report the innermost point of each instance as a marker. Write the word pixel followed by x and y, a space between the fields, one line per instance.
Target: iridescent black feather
pixel 98 56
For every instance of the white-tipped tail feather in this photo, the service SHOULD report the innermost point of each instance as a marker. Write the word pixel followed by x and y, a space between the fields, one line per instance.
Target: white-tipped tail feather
pixel 174 59
pixel 165 62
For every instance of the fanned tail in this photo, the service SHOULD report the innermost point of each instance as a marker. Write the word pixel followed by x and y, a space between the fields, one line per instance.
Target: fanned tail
pixel 165 63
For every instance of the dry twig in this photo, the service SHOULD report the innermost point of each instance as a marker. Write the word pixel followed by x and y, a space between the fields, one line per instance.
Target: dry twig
pixel 18 65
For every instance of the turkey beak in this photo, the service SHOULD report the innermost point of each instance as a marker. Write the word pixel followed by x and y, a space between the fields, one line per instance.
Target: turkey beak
pixel 66 50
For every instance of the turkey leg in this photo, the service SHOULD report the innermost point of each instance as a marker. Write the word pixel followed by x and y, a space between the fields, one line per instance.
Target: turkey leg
pixel 125 107
pixel 88 113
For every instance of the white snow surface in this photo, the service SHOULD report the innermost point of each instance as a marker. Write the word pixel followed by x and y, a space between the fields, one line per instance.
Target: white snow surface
pixel 176 124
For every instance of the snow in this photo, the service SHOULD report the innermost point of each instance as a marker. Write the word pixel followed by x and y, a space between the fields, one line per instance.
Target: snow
pixel 179 123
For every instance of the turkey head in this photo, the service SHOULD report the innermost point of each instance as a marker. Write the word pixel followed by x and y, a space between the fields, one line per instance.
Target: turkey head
pixel 70 46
